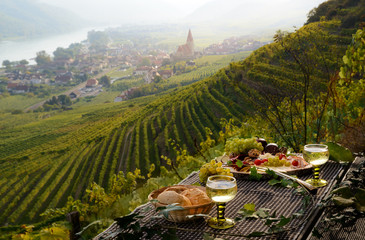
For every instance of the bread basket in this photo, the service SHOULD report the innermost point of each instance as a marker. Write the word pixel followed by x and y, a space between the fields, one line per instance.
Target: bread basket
pixel 181 215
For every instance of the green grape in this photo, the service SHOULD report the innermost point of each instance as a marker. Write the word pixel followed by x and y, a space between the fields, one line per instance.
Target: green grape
pixel 212 168
pixel 242 146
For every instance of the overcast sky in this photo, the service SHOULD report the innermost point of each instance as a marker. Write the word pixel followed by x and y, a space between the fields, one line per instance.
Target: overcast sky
pixel 187 5
pixel 149 11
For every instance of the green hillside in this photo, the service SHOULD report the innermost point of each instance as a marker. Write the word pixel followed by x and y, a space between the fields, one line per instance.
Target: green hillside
pixel 24 19
pixel 46 157
pixel 65 152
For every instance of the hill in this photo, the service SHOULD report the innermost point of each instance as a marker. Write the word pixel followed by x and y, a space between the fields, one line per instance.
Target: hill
pixel 27 18
pixel 48 156
pixel 66 152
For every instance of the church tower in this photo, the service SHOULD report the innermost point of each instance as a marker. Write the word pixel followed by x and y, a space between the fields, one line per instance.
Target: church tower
pixel 190 42
pixel 186 51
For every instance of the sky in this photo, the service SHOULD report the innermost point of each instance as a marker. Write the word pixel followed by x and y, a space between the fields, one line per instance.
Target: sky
pixel 187 5
pixel 111 10
pixel 151 11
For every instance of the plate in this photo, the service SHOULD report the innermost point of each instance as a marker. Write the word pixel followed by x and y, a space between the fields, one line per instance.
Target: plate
pixel 287 170
pixel 306 170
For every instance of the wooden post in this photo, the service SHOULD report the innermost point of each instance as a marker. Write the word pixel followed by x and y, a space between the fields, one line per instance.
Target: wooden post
pixel 74 219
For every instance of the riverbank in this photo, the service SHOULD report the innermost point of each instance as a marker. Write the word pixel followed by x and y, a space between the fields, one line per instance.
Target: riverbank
pixel 19 49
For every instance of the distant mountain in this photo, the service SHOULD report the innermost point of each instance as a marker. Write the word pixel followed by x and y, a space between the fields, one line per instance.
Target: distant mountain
pixel 253 15
pixel 113 12
pixel 27 18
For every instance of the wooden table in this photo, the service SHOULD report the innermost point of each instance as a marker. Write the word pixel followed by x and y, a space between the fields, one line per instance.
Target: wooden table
pixel 279 199
pixel 355 231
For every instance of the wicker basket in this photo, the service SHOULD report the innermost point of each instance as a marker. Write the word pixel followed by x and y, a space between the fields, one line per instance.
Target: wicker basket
pixel 181 215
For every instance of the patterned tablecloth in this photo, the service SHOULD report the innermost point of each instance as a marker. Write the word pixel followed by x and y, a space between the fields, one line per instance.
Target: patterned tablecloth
pixel 282 200
pixel 336 231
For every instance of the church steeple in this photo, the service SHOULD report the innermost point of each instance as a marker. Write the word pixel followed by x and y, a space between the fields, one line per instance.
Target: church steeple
pixel 190 42
pixel 190 37
pixel 186 51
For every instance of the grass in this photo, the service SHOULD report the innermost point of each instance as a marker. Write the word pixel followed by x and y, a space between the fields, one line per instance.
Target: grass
pixel 22 101
pixel 116 73
pixel 17 102
pixel 221 59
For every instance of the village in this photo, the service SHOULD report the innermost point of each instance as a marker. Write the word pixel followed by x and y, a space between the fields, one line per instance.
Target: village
pixel 79 67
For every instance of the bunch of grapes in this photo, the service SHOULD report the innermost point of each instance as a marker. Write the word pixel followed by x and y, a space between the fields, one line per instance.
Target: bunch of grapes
pixel 212 168
pixel 276 162
pixel 237 146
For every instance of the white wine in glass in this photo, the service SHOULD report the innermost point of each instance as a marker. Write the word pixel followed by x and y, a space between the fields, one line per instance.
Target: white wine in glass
pixel 221 189
pixel 317 155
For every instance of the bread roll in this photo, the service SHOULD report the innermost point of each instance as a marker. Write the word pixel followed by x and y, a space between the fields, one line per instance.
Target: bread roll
pixel 178 189
pixel 196 196
pixel 169 197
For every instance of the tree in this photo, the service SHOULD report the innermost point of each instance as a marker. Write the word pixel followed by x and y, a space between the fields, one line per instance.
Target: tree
pixel 351 94
pixel 42 58
pixel 62 53
pixel 24 62
pixel 76 48
pixel 7 64
pixel 105 81
pixel 98 39
pixel 145 62
pixel 292 96
pixel 166 61
pixel 310 55
pixel 64 100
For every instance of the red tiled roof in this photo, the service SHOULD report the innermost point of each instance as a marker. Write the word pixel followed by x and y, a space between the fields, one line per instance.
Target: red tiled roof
pixel 22 88
pixel 12 85
pixel 92 82
pixel 184 50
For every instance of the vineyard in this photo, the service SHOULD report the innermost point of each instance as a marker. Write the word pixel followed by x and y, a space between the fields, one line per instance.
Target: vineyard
pixel 42 172
pixel 46 157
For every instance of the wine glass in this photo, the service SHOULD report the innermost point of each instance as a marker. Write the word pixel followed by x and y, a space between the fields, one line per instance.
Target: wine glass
pixel 317 155
pixel 221 189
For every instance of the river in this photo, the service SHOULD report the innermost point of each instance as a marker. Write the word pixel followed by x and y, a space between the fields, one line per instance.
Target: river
pixel 27 49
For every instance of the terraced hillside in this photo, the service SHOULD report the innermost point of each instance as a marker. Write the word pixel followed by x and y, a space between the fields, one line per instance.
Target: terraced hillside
pixel 46 157
pixel 91 144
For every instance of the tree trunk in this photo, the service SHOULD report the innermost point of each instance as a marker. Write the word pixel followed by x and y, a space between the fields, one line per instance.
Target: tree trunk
pixel 74 219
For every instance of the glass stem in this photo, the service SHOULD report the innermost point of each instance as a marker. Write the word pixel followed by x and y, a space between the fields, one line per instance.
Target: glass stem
pixel 316 170
pixel 220 212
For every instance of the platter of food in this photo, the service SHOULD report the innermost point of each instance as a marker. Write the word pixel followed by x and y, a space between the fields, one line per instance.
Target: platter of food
pixel 243 154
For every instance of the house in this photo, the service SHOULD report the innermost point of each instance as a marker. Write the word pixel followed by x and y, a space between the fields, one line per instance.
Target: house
pixel 148 78
pixel 125 94
pixel 75 94
pixel 15 87
pixel 21 89
pixel 166 73
pixel 118 99
pixel 190 63
pixel 92 82
pixel 11 86
pixel 36 80
pixel 125 65
pixel 142 70
pixel 63 79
